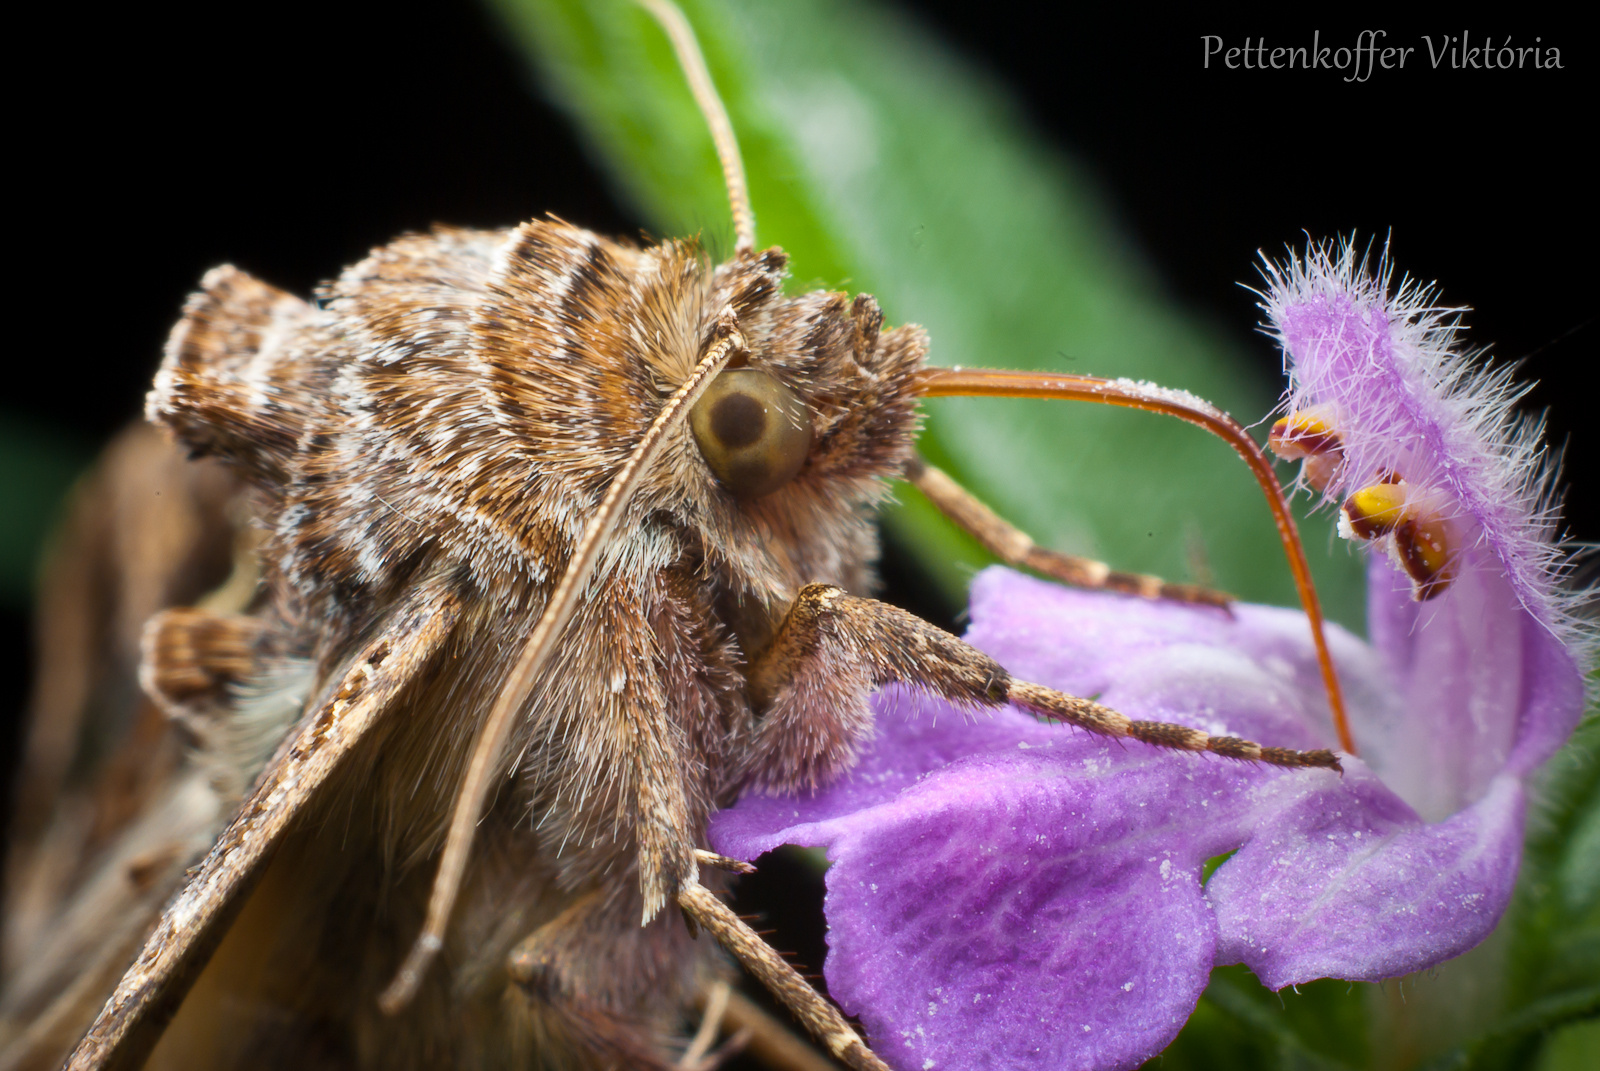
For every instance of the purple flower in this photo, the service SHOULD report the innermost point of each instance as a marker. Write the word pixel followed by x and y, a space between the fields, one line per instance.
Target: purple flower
pixel 1007 893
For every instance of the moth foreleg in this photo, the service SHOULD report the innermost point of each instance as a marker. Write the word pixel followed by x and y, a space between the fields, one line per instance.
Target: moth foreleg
pixel 821 1018
pixel 1015 547
pixel 197 918
pixel 810 690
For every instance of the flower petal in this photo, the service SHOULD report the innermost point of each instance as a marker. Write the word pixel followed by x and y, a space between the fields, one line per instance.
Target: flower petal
pixel 1483 687
pixel 1009 894
pixel 989 879
pixel 1345 882
pixel 1381 366
pixel 1061 930
pixel 1032 907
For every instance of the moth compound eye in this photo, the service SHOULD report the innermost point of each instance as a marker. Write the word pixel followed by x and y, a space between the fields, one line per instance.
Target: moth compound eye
pixel 752 430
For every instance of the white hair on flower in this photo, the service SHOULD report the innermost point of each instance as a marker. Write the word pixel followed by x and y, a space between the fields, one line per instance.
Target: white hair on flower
pixel 1379 366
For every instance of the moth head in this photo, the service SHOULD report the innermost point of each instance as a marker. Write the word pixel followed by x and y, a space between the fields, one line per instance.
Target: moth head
pixel 779 464
pixel 820 402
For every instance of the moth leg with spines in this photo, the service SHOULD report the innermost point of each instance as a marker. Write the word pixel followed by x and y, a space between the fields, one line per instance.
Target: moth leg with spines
pixel 833 650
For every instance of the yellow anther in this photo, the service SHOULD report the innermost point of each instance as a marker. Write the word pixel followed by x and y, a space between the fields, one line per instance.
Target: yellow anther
pixel 1301 433
pixel 1309 435
pixel 1375 510
pixel 1423 545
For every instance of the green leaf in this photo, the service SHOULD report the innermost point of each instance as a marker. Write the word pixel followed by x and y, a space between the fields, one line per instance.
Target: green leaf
pixel 1553 964
pixel 883 164
pixel 1572 1048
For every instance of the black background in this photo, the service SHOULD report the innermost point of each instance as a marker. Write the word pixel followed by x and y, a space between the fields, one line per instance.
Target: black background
pixel 288 138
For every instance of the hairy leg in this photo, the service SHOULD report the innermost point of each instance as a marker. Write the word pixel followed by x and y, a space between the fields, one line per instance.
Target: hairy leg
pixel 810 689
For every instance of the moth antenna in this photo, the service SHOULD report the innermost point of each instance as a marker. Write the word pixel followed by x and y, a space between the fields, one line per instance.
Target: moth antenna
pixel 726 341
pixel 996 383
pixel 693 62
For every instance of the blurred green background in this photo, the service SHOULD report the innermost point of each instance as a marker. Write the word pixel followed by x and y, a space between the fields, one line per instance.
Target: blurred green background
pixel 1081 196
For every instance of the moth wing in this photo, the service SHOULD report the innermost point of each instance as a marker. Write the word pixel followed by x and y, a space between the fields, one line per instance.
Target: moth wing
pixel 143 530
pixel 195 921
pixel 106 815
pixel 75 959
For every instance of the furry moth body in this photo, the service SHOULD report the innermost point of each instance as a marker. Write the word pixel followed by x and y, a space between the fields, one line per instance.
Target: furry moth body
pixel 450 416
pixel 428 446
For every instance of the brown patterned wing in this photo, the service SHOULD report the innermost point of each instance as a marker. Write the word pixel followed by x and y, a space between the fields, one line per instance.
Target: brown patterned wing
pixel 197 918
pixel 108 814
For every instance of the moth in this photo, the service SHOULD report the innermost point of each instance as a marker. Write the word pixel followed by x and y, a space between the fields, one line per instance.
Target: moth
pixel 545 546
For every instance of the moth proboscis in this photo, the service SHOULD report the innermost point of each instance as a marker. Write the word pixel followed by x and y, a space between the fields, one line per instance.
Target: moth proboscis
pixel 585 522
